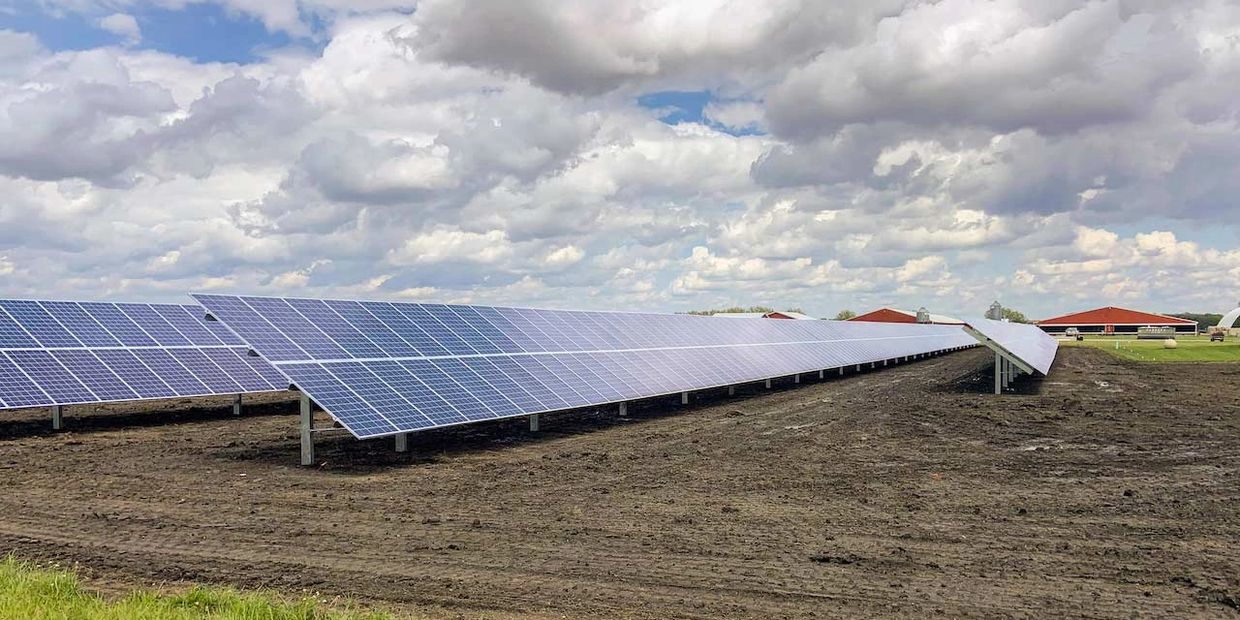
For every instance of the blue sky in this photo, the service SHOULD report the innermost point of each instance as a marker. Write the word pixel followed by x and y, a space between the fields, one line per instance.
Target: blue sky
pixel 622 156
pixel 204 32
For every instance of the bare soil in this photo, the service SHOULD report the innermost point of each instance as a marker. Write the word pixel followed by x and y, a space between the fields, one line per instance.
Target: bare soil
pixel 1108 490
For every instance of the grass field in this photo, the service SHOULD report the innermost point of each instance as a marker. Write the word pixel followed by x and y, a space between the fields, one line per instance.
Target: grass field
pixel 40 593
pixel 1190 349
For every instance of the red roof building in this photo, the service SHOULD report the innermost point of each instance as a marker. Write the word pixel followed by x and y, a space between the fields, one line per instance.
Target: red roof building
pixel 1112 320
pixel 895 315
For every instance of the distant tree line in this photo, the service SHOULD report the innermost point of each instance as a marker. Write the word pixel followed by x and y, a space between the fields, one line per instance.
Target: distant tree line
pixel 1204 321
pixel 1014 316
pixel 735 309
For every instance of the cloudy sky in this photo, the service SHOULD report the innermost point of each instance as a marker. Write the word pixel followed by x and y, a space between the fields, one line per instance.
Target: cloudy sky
pixel 634 154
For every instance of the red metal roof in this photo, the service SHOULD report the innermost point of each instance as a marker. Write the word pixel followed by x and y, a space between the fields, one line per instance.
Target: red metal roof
pixel 886 315
pixel 896 315
pixel 1111 315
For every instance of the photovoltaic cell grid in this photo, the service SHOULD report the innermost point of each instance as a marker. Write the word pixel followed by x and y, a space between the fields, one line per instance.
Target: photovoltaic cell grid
pixel 382 368
pixel 1027 343
pixel 66 353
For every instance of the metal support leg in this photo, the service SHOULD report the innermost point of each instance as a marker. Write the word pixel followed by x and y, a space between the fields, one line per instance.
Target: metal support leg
pixel 796 378
pixel 684 398
pixel 873 365
pixel 731 390
pixel 237 405
pixel 58 414
pixel 534 422
pixel 858 367
pixel 624 410
pixel 402 442
pixel 884 362
pixel 998 373
pixel 768 384
pixel 307 427
pixel 822 374
pixel 841 371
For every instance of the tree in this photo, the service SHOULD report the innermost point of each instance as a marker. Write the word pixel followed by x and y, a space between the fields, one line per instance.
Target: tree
pixel 1014 316
pixel 1204 320
pixel 845 314
pixel 733 310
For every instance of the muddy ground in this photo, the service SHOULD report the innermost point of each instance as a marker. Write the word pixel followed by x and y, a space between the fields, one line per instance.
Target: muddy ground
pixel 1108 490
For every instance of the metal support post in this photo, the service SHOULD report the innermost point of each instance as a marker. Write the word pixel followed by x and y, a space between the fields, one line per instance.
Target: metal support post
pixel 237 405
pixel 884 362
pixel 841 371
pixel 768 384
pixel 822 374
pixel 858 367
pixel 402 442
pixel 731 390
pixel 796 378
pixel 58 413
pixel 998 373
pixel 873 365
pixel 624 410
pixel 307 428
pixel 684 398
pixel 533 422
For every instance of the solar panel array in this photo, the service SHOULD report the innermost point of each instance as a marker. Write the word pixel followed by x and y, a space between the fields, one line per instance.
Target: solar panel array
pixel 382 368
pixel 65 353
pixel 1027 343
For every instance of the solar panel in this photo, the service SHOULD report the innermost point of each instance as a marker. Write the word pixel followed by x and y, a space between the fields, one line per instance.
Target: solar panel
pixel 383 368
pixel 67 353
pixel 1026 345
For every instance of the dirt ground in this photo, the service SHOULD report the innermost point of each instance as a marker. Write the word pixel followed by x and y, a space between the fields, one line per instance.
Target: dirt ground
pixel 1108 490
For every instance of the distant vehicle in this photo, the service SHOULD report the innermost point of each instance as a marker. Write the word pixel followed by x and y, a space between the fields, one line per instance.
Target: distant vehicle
pixel 1073 332
pixel 1217 334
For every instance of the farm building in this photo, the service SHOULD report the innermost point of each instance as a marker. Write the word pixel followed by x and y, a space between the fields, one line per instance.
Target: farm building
pixel 763 315
pixel 1112 320
pixel 895 315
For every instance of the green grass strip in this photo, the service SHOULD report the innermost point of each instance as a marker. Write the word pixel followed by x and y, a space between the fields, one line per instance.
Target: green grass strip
pixel 1188 349
pixel 41 593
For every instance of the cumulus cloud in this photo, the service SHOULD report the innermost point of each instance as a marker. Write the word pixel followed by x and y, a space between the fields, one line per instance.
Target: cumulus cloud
pixel 122 25
pixel 850 154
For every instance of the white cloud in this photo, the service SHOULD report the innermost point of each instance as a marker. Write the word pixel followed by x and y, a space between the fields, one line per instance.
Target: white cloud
pixel 443 245
pixel 122 25
pixel 939 154
pixel 563 257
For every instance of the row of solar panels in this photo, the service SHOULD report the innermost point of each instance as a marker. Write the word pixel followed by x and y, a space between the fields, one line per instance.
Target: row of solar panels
pixel 383 368
pixel 1026 345
pixel 67 353
pixel 313 329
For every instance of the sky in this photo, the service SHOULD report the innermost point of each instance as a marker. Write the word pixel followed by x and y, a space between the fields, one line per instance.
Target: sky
pixel 635 155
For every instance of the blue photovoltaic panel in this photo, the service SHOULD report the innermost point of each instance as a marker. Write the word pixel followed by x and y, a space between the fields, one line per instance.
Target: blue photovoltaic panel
pixel 188 321
pixel 65 352
pixel 382 367
pixel 1027 343
pixel 118 322
pixel 39 323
